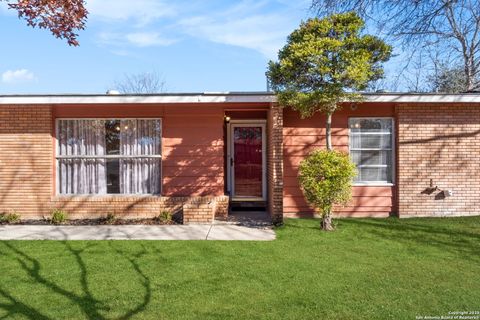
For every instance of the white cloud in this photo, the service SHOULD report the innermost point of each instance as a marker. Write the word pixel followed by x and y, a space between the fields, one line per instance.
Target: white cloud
pixel 142 11
pixel 261 33
pixel 136 39
pixel 243 26
pixel 260 25
pixel 17 76
pixel 121 52
pixel 147 39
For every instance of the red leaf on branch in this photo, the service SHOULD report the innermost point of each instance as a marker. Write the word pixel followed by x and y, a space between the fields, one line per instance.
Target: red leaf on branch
pixel 62 17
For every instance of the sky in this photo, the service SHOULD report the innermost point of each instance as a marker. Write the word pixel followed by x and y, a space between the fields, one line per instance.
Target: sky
pixel 194 45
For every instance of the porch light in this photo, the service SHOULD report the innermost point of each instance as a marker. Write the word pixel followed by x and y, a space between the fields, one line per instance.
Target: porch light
pixel 227 119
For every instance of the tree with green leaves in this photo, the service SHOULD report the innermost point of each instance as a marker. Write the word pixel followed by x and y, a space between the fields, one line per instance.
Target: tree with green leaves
pixel 326 179
pixel 325 62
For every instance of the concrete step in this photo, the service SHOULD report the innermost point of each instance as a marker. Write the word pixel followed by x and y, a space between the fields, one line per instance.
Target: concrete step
pixel 248 205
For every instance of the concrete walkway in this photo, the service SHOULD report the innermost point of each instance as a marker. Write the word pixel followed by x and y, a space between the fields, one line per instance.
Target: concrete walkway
pixel 137 232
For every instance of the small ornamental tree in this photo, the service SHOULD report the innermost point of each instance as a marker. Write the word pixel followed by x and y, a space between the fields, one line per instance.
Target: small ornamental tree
pixel 326 61
pixel 326 179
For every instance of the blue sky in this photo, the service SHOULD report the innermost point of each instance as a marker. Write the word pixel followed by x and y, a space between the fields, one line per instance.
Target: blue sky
pixel 196 45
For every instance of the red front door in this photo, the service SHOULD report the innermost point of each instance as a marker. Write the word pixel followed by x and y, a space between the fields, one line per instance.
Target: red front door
pixel 248 161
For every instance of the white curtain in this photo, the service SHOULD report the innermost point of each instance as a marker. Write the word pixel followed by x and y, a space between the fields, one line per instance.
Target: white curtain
pixel 140 137
pixel 81 175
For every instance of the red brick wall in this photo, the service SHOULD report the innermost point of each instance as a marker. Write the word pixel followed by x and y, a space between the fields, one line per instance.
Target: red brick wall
pixel 26 158
pixel 302 136
pixel 192 142
pixel 275 163
pixel 82 207
pixel 192 161
pixel 442 143
pixel 198 213
pixel 439 142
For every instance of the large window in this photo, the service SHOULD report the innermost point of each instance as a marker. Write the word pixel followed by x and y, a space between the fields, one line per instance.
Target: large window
pixel 112 156
pixel 371 149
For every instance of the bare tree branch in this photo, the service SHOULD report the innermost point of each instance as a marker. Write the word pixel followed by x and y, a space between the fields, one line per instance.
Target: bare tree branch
pixel 443 25
pixel 145 82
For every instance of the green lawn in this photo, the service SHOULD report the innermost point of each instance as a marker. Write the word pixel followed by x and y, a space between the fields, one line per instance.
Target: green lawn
pixel 367 269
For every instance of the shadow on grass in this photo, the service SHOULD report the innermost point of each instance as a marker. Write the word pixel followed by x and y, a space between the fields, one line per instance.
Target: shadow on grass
pixel 445 234
pixel 427 233
pixel 91 307
pixel 314 224
pixel 15 307
pixel 144 280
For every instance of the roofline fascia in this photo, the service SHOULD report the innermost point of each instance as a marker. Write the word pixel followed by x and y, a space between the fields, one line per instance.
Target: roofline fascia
pixel 221 98
pixel 423 98
pixel 136 99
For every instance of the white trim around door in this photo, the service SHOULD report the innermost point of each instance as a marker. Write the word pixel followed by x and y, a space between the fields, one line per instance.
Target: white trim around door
pixel 231 161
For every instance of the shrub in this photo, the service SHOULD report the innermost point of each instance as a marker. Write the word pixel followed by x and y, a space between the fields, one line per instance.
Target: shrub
pixel 110 218
pixel 165 216
pixel 58 216
pixel 326 179
pixel 12 217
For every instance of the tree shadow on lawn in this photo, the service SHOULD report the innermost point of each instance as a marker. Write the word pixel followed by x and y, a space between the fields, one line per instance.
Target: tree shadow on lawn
pixel 428 233
pixel 314 224
pixel 17 307
pixel 90 306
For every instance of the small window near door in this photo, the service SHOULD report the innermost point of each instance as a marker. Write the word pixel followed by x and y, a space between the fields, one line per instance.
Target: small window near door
pixel 372 149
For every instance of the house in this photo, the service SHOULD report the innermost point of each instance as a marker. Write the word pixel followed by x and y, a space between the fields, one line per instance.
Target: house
pixel 138 155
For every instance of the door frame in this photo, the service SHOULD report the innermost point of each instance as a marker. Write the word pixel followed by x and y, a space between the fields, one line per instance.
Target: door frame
pixel 230 155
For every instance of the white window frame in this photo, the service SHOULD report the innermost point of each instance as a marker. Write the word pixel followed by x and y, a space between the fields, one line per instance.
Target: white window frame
pixel 58 157
pixel 393 150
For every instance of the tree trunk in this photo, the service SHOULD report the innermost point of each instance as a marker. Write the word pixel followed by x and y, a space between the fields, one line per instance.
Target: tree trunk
pixel 327 222
pixel 329 131
pixel 470 74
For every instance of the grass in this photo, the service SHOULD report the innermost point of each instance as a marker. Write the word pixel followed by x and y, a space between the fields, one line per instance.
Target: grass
pixel 367 269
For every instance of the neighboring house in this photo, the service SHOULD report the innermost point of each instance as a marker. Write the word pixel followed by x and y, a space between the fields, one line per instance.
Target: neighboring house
pixel 137 155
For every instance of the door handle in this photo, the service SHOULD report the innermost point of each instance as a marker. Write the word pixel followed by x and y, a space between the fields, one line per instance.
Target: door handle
pixel 231 161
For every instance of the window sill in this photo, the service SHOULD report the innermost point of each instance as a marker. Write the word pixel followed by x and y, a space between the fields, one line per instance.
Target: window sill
pixel 373 184
pixel 104 196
